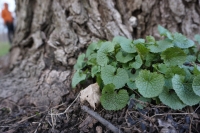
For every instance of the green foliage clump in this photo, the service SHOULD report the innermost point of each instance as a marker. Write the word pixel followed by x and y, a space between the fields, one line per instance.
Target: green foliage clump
pixel 166 70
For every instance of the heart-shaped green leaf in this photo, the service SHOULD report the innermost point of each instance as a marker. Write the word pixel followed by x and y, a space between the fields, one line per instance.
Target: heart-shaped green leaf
pixel 150 40
pixel 78 77
pixel 196 70
pixel 139 41
pixel 196 85
pixel 191 58
pixel 197 38
pixel 173 56
pixel 149 84
pixel 131 85
pixel 171 99
pixel 142 50
pixel 92 47
pixel 164 32
pixel 137 63
pixel 160 46
pixel 102 58
pixel 95 70
pixel 123 57
pixel 184 90
pixel 126 44
pixel 171 71
pixel 80 63
pixel 109 75
pixel 113 100
pixel 181 41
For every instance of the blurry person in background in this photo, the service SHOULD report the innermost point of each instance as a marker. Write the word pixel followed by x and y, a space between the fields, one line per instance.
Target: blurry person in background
pixel 8 21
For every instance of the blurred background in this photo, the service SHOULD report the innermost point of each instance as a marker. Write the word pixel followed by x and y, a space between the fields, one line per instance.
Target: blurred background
pixel 4 45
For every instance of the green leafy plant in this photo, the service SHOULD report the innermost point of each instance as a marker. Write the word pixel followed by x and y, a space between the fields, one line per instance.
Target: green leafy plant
pixel 166 70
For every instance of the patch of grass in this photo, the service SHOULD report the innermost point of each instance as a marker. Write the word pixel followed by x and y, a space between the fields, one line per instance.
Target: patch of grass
pixel 4 48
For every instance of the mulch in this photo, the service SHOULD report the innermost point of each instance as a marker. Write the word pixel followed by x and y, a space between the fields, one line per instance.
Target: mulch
pixel 73 117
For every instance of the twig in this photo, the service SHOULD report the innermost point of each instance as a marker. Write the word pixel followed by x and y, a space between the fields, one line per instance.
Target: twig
pixel 31 117
pixel 66 108
pixel 55 115
pixel 37 127
pixel 102 120
pixel 52 119
pixel 171 114
pixel 49 123
pixel 39 124
pixel 4 126
pixel 197 108
pixel 191 118
pixel 190 129
pixel 141 102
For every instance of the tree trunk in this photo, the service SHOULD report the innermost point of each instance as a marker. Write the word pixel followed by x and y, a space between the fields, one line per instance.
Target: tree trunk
pixel 51 34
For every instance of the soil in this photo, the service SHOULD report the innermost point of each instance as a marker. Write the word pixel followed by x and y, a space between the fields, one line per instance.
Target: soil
pixel 131 119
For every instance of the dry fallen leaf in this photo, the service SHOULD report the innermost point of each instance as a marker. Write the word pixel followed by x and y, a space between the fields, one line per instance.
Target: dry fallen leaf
pixel 91 94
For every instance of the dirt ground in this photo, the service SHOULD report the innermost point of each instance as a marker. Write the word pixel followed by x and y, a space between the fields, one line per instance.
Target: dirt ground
pixel 151 119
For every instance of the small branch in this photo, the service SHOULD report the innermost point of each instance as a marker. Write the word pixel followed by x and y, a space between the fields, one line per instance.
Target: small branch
pixel 65 109
pixel 100 119
pixel 37 128
pixel 31 117
pixel 4 126
pixel 40 123
pixel 52 120
pixel 141 102
pixel 171 114
pixel 197 108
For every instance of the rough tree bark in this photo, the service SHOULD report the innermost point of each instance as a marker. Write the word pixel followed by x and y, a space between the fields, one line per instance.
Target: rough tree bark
pixel 51 34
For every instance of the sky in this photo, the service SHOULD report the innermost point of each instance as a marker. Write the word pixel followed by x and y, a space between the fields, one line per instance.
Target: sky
pixel 11 4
